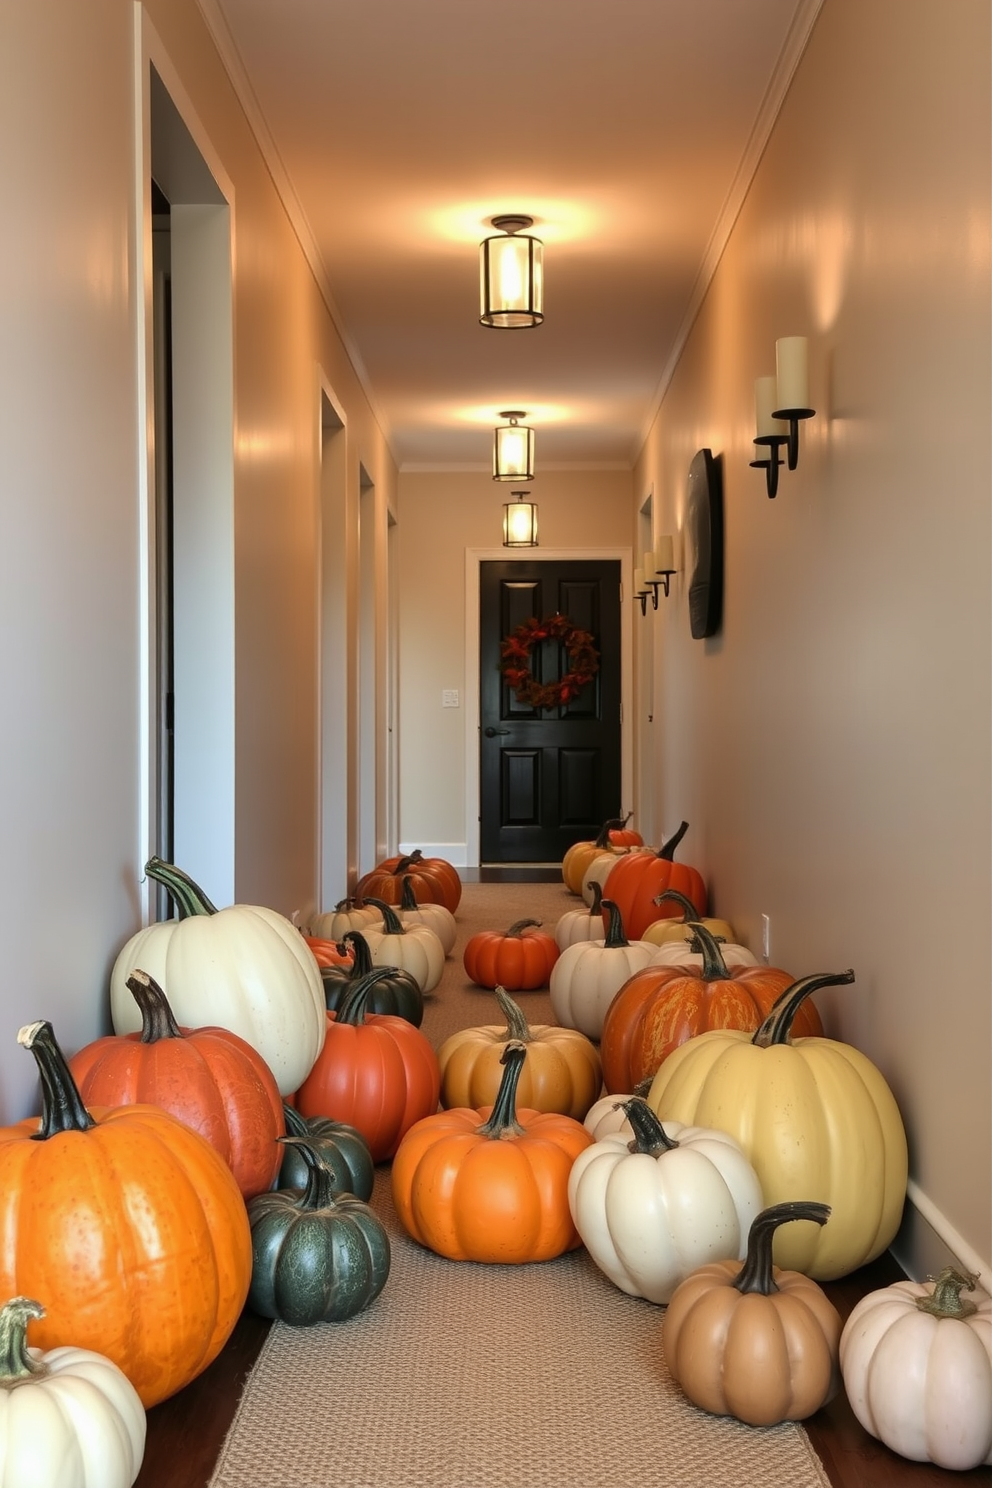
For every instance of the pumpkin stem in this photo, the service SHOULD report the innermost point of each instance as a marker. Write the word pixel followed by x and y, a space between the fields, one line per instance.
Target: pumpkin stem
pixel 614 823
pixel 186 895
pixel 519 926
pixel 157 1018
pixel 295 1124
pixel 597 898
pixel 689 910
pixel 409 899
pixel 517 1026
pixel 777 1025
pixel 352 1009
pixel 714 968
pixel 16 1362
pixel 615 938
pixel 668 849
pixel 503 1116
pixel 405 864
pixel 649 1134
pixel 643 1086
pixel 756 1274
pixel 362 963
pixel 319 1192
pixel 945 1301
pixel 392 924
pixel 62 1108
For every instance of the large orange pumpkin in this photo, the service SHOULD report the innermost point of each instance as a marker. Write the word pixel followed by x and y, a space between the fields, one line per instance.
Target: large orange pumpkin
pixel 433 880
pixel 208 1078
pixel 376 1072
pixel 655 1011
pixel 129 1225
pixel 639 877
pixel 490 1185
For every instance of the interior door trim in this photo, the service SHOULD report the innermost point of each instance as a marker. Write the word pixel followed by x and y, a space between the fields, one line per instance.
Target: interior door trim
pixel 473 558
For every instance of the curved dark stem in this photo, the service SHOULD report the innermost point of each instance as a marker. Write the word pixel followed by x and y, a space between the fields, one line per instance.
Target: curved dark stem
pixel 16 1363
pixel 614 823
pixel 319 1192
pixel 503 1117
pixel 649 1134
pixel 392 924
pixel 714 968
pixel 777 1025
pixel 362 963
pixel 157 1018
pixel 186 895
pixel 756 1273
pixel 519 926
pixel 352 1009
pixel 409 898
pixel 597 898
pixel 615 938
pixel 517 1026
pixel 668 849
pixel 296 1125
pixel 689 910
pixel 62 1108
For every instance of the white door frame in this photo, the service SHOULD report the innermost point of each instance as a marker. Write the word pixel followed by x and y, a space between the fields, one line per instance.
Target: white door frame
pixel 473 558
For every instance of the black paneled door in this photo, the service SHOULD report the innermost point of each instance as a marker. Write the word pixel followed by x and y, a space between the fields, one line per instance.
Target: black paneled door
pixel 548 778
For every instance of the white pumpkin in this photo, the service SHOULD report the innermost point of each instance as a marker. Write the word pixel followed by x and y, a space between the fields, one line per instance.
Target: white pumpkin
pixel 436 917
pixel 652 1210
pixel 606 1117
pixel 576 926
pixel 680 953
pixel 69 1418
pixel 587 976
pixel 245 968
pixel 346 915
pixel 919 1378
pixel 413 948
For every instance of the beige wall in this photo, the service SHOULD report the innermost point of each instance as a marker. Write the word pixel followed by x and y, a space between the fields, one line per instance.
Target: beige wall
pixel 441 515
pixel 831 747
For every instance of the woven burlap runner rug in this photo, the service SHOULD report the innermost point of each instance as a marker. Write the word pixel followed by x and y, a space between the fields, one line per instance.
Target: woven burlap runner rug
pixel 471 1376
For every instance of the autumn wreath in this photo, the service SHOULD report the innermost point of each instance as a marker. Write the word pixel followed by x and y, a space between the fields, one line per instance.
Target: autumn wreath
pixel 514 663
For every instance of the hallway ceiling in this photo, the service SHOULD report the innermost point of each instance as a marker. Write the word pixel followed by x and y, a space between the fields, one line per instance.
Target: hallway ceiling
pixel 397 128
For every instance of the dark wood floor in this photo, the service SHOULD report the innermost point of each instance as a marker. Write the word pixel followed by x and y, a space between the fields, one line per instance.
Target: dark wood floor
pixel 185 1433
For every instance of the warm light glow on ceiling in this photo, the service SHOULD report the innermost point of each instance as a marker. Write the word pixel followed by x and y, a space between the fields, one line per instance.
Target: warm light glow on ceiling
pixel 470 222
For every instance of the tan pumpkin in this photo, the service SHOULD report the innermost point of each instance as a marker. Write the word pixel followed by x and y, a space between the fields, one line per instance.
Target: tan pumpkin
pixel 560 1074
pixel 662 932
pixel 580 855
pixel 347 914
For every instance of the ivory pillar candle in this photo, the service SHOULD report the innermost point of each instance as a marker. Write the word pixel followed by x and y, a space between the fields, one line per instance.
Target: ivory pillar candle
pixel 661 559
pixel 792 372
pixel 765 402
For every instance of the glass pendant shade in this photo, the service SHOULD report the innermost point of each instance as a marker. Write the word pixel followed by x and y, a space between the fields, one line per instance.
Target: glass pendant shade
pixel 520 523
pixel 513 450
pixel 512 277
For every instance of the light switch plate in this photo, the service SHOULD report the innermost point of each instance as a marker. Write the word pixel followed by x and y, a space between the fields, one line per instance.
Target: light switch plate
pixel 449 697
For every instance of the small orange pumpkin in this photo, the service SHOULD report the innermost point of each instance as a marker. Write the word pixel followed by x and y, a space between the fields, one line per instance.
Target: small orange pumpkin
pixel 520 958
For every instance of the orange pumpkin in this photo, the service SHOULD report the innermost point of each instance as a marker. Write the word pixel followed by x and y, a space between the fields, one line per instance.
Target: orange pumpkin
pixel 520 958
pixel 661 1007
pixel 209 1078
pixel 580 854
pixel 434 881
pixel 329 952
pixel 129 1225
pixel 490 1185
pixel 639 877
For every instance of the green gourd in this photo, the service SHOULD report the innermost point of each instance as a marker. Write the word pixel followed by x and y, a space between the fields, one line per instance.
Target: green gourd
pixel 399 995
pixel 341 1147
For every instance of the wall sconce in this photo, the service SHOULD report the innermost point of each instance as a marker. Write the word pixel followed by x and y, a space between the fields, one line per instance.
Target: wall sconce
pixel 512 275
pixel 655 574
pixel 520 522
pixel 513 449
pixel 779 404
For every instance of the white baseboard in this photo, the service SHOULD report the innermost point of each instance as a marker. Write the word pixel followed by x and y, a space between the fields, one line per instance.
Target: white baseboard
pixel 455 852
pixel 927 1241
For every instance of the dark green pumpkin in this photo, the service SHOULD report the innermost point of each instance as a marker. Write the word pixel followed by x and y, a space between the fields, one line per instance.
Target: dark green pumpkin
pixel 341 1147
pixel 399 995
pixel 317 1256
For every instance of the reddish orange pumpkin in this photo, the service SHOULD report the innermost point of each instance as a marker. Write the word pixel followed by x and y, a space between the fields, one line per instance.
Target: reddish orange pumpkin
pixel 129 1225
pixel 329 952
pixel 376 1072
pixel 661 1007
pixel 639 877
pixel 433 881
pixel 490 1185
pixel 209 1078
pixel 518 959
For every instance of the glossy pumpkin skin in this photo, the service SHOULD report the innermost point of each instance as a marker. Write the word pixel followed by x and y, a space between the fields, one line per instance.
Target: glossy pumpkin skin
pixel 317 1256
pixel 657 1011
pixel 77 1418
pixel 490 1185
pixel 588 976
pixel 341 1148
pixel 815 1117
pixel 765 1354
pixel 436 917
pixel 245 968
pixel 639 878
pixel 916 1358
pixel 412 948
pixel 519 959
pixel 129 1224
pixel 398 994
pixel 435 881
pixel 208 1078
pixel 561 1072
pixel 375 1072
pixel 663 932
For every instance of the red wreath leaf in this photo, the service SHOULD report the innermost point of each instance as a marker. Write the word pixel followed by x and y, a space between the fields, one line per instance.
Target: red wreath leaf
pixel 580 648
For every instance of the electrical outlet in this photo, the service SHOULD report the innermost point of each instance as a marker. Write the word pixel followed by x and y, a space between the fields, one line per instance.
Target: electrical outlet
pixel 766 938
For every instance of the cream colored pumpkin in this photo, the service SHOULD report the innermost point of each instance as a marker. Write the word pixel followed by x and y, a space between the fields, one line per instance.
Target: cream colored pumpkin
pixel 346 915
pixel 413 948
pixel 587 976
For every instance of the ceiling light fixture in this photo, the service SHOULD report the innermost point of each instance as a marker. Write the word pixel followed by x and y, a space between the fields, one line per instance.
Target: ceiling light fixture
pixel 519 522
pixel 513 449
pixel 512 275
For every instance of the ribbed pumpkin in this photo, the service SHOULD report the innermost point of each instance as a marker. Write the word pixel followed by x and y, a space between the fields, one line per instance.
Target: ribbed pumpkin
pixel 588 975
pixel 817 1120
pixel 580 854
pixel 490 1185
pixel 398 994
pixel 561 1072
pixel 347 914
pixel 413 948
pixel 328 952
pixel 436 917
pixel 129 1225
pixel 435 880
pixel 208 1078
pixel 662 1006
pixel 638 879
pixel 577 925
pixel 662 932
pixel 520 958
pixel 375 1072
pixel 341 1148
